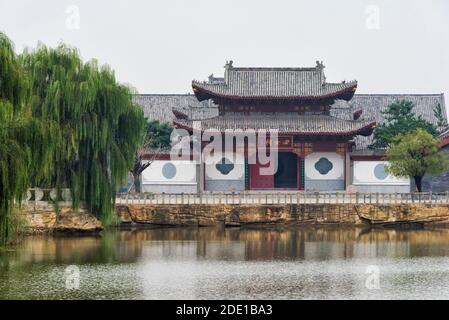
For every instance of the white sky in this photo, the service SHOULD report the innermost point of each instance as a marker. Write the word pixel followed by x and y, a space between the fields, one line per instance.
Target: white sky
pixel 160 46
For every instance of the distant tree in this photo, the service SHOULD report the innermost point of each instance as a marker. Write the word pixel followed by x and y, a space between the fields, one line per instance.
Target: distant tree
pixel 399 119
pixel 441 118
pixel 415 154
pixel 156 137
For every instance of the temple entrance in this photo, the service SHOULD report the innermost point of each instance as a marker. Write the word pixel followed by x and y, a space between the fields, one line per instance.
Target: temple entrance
pixel 286 176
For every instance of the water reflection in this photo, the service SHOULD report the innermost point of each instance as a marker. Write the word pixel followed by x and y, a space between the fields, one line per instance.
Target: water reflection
pixel 230 263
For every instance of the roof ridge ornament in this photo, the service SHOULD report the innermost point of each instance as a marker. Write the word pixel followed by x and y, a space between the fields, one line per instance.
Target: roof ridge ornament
pixel 227 67
pixel 228 64
pixel 320 65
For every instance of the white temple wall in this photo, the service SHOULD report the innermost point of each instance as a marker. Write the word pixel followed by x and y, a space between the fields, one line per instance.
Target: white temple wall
pixel 225 172
pixel 324 171
pixel 166 176
pixel 370 176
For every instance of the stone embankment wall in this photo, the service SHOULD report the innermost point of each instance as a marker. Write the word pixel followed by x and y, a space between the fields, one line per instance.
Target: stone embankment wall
pixel 43 218
pixel 40 218
pixel 235 215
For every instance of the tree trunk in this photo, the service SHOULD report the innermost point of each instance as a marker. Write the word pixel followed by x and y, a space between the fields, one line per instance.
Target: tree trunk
pixel 137 184
pixel 418 183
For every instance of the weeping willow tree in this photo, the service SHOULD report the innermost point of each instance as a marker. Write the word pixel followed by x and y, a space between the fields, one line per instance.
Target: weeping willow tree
pixel 21 150
pixel 95 125
pixel 14 157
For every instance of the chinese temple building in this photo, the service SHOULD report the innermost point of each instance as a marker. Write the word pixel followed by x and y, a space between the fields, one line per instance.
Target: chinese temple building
pixel 323 132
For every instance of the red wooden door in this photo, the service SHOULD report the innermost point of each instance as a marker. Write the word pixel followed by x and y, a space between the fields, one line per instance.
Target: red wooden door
pixel 258 181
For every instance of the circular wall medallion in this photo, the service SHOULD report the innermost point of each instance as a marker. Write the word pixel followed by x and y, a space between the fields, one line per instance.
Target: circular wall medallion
pixel 225 166
pixel 379 172
pixel 323 166
pixel 169 170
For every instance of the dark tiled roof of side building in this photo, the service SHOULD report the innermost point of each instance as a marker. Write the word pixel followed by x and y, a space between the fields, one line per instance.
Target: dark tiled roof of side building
pixel 159 107
pixel 372 106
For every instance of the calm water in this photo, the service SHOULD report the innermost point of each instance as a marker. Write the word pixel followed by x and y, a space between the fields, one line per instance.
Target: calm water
pixel 231 264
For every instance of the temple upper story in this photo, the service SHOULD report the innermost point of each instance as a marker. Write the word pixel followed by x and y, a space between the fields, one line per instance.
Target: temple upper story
pixel 273 89
pixel 291 100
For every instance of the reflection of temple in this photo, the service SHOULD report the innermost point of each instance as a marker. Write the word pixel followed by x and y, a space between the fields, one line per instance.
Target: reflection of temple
pixel 236 263
pixel 324 132
pixel 231 244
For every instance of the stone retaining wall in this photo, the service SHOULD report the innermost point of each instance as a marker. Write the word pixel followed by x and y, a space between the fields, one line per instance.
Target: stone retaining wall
pixel 235 215
pixel 43 218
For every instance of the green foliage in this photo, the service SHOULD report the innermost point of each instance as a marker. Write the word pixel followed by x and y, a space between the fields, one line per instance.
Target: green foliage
pixel 20 136
pixel 14 155
pixel 157 134
pixel 96 128
pixel 63 123
pixel 399 119
pixel 415 154
pixel 441 118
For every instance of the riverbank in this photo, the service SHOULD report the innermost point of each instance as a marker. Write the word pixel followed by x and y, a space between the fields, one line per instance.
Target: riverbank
pixel 42 217
pixel 299 214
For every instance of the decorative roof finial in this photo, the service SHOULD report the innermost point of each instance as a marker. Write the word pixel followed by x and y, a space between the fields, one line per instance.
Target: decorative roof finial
pixel 228 64
pixel 320 65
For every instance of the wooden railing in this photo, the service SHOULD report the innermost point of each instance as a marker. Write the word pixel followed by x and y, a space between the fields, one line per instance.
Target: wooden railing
pixel 284 198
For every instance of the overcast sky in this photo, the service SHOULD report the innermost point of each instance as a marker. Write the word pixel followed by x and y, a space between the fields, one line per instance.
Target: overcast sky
pixel 389 46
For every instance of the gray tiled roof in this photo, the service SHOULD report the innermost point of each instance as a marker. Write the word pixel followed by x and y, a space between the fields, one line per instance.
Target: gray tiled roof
pixel 373 105
pixel 159 106
pixel 306 124
pixel 274 82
